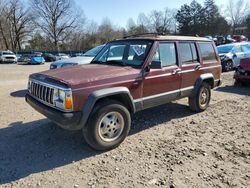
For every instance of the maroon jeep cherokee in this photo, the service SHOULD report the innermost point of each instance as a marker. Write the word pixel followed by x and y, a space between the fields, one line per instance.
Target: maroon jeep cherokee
pixel 127 76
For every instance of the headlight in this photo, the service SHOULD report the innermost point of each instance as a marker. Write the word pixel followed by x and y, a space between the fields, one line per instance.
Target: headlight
pixel 52 66
pixel 63 99
pixel 29 86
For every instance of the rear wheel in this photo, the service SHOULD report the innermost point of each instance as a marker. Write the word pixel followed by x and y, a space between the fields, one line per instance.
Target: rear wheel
pixel 201 100
pixel 108 125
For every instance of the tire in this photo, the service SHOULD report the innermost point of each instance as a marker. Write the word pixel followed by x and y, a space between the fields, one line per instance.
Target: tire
pixel 201 100
pixel 108 125
pixel 237 83
pixel 227 66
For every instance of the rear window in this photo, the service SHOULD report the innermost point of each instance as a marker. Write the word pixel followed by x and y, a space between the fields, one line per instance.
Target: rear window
pixel 207 51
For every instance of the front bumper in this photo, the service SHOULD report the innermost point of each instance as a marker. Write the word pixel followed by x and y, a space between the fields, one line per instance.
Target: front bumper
pixel 69 121
pixel 243 78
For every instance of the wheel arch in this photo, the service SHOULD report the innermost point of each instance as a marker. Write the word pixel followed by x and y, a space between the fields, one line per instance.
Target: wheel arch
pixel 120 94
pixel 208 78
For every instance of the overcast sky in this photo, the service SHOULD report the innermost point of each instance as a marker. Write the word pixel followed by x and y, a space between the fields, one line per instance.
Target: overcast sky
pixel 119 11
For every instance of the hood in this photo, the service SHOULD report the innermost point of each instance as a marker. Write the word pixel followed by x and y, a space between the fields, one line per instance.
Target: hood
pixel 91 74
pixel 78 60
pixel 245 64
pixel 228 55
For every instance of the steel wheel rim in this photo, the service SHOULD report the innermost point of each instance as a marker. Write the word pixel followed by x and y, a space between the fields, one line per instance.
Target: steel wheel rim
pixel 204 97
pixel 111 126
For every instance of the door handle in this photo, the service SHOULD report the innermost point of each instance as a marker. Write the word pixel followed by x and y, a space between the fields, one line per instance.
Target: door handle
pixel 198 67
pixel 176 71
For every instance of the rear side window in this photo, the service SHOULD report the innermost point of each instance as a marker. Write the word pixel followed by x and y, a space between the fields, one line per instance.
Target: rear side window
pixel 207 51
pixel 188 53
pixel 166 53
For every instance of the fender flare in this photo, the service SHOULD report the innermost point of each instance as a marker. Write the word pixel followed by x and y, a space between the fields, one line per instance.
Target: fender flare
pixel 200 80
pixel 100 94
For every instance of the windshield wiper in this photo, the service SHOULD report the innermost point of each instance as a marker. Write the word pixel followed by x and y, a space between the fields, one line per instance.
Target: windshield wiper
pixel 96 62
pixel 115 62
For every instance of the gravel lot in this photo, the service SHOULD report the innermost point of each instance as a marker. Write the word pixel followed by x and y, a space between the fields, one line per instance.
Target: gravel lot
pixel 168 146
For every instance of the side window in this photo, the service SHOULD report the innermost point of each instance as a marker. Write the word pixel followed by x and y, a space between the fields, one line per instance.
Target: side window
pixel 186 53
pixel 207 51
pixel 166 53
pixel 194 52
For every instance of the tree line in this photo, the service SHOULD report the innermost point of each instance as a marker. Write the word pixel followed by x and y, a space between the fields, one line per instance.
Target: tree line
pixel 60 25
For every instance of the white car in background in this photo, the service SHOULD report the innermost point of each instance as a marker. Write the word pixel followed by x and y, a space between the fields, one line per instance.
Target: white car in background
pixel 7 57
pixel 61 56
pixel 85 59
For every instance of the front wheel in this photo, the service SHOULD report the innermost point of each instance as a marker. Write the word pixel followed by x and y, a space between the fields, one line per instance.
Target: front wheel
pixel 227 66
pixel 108 125
pixel 201 100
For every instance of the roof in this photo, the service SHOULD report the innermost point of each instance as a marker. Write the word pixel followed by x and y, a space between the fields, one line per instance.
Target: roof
pixel 166 37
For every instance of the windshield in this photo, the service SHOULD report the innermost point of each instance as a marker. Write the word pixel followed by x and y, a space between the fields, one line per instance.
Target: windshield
pixel 94 51
pixel 125 53
pixel 224 49
pixel 8 53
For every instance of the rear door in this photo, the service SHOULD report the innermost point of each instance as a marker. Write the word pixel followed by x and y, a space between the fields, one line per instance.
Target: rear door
pixel 162 85
pixel 190 66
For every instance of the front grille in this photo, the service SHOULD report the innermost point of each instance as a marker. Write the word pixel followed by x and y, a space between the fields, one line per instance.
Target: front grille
pixel 42 92
pixel 9 58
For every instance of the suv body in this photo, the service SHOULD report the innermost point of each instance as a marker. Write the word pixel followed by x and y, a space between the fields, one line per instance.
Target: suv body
pixel 7 57
pixel 127 76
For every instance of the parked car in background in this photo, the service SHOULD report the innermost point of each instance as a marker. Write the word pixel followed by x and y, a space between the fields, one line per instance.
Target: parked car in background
pixel 231 54
pixel 35 59
pixel 85 59
pixel 7 57
pixel 212 38
pixel 220 40
pixel 240 38
pixel 60 56
pixel 242 73
pixel 77 55
pixel 25 58
pixel 49 57
pixel 229 39
pixel 125 77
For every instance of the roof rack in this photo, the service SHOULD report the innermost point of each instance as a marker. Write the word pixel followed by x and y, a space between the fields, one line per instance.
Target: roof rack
pixel 143 34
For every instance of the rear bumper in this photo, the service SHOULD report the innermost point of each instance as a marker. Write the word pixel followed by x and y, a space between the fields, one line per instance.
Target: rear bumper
pixel 69 121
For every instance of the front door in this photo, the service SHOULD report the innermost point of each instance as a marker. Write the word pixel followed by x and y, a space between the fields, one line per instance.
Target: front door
pixel 162 84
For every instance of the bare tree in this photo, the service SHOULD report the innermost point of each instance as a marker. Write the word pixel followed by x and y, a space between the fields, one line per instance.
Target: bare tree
pixel 56 18
pixel 19 23
pixel 161 21
pixel 15 23
pixel 237 11
pixel 3 22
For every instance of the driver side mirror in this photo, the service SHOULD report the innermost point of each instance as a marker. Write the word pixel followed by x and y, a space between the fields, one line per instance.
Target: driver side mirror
pixel 155 65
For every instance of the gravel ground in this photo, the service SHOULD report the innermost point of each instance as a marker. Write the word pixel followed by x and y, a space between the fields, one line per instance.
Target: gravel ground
pixel 168 146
